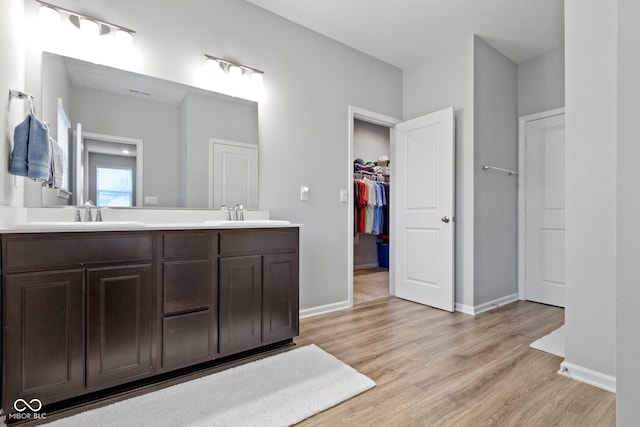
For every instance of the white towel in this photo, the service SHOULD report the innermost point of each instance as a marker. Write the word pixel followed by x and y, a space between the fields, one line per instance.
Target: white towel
pixel 57 165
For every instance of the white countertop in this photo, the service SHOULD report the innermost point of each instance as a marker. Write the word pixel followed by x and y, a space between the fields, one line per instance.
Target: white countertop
pixel 64 226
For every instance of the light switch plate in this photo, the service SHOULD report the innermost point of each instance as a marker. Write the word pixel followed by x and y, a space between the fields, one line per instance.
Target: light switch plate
pixel 344 196
pixel 150 200
pixel 304 193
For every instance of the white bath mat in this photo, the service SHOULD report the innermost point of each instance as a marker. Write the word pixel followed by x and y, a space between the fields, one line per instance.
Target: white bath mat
pixel 280 390
pixel 552 343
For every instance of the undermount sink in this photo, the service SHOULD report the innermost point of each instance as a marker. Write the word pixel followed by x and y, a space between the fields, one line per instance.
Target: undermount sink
pixel 249 223
pixel 72 225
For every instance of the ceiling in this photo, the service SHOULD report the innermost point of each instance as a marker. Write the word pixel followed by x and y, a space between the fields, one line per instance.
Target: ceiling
pixel 404 32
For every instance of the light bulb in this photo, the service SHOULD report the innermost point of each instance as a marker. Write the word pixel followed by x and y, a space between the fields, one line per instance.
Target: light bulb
pixel 212 65
pixel 235 71
pixel 89 27
pixel 256 78
pixel 124 38
pixel 256 89
pixel 49 16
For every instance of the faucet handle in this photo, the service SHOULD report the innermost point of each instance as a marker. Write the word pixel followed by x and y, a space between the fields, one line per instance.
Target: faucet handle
pixel 228 210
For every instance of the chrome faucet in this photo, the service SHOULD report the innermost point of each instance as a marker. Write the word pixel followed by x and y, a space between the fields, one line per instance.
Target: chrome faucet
pixel 87 211
pixel 88 217
pixel 238 213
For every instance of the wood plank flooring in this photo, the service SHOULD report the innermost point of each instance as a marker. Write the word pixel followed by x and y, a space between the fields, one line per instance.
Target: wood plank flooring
pixel 434 368
pixel 370 284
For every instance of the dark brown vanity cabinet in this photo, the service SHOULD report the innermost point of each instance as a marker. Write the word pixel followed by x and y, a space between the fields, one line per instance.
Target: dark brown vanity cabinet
pixel 86 312
pixel 258 288
pixel 77 313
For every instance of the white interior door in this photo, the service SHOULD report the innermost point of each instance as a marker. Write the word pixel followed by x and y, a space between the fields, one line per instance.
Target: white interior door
pixel 233 174
pixel 423 205
pixel 544 189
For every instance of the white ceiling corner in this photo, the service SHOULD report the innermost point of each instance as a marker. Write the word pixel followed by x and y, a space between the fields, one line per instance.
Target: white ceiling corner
pixel 403 32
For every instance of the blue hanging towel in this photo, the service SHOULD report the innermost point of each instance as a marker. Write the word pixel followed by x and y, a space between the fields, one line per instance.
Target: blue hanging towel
pixel 39 151
pixel 18 162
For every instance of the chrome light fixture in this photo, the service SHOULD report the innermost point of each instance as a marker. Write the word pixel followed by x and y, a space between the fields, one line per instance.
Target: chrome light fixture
pixel 234 79
pixel 87 24
pixel 236 70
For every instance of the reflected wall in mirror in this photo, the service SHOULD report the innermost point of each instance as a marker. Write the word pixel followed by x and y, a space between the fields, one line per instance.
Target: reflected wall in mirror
pixel 169 124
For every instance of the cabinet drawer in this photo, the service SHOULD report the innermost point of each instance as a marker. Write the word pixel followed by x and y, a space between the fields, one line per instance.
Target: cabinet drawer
pixel 188 245
pixel 186 285
pixel 186 339
pixel 73 249
pixel 234 242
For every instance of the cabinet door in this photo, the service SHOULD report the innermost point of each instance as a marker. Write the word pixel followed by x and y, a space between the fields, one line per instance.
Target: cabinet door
pixel 280 297
pixel 43 345
pixel 119 324
pixel 240 304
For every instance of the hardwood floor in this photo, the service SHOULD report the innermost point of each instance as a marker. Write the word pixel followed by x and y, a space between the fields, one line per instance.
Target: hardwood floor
pixel 370 284
pixel 434 368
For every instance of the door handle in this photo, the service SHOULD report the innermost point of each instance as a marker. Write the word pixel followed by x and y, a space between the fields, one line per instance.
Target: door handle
pixel 445 219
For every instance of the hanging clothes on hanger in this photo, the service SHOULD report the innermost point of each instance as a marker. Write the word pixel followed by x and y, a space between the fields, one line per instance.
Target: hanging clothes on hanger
pixel 370 205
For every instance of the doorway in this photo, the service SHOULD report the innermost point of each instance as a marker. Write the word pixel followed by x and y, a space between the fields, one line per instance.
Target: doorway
pixel 421 211
pixel 373 280
pixel 372 175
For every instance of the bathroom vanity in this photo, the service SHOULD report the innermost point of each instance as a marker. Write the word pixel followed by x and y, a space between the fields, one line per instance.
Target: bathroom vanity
pixel 90 314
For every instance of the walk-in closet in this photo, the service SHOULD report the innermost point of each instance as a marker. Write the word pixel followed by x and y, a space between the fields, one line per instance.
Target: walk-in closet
pixel 372 197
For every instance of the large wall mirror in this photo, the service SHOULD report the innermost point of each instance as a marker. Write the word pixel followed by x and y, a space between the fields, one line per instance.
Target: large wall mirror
pixel 135 140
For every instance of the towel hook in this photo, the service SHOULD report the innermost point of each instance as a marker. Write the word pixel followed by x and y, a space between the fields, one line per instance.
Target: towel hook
pixel 22 95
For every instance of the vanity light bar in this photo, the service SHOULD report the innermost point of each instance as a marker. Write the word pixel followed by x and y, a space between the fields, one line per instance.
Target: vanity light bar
pixel 228 64
pixel 90 18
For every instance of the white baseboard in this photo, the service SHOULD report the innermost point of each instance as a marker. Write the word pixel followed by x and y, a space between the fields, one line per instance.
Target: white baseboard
pixel 323 309
pixel 463 308
pixel 473 310
pixel 588 376
pixel 365 266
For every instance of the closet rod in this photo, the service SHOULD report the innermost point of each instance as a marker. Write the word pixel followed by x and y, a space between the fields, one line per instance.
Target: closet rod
pixel 510 172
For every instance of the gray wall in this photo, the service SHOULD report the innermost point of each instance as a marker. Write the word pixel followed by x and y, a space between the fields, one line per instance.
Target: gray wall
pixel 628 209
pixel 590 315
pixel 472 76
pixel 442 80
pixel 495 143
pixel 220 118
pixel 155 123
pixel 541 83
pixel 12 76
pixel 309 82
pixel 370 141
